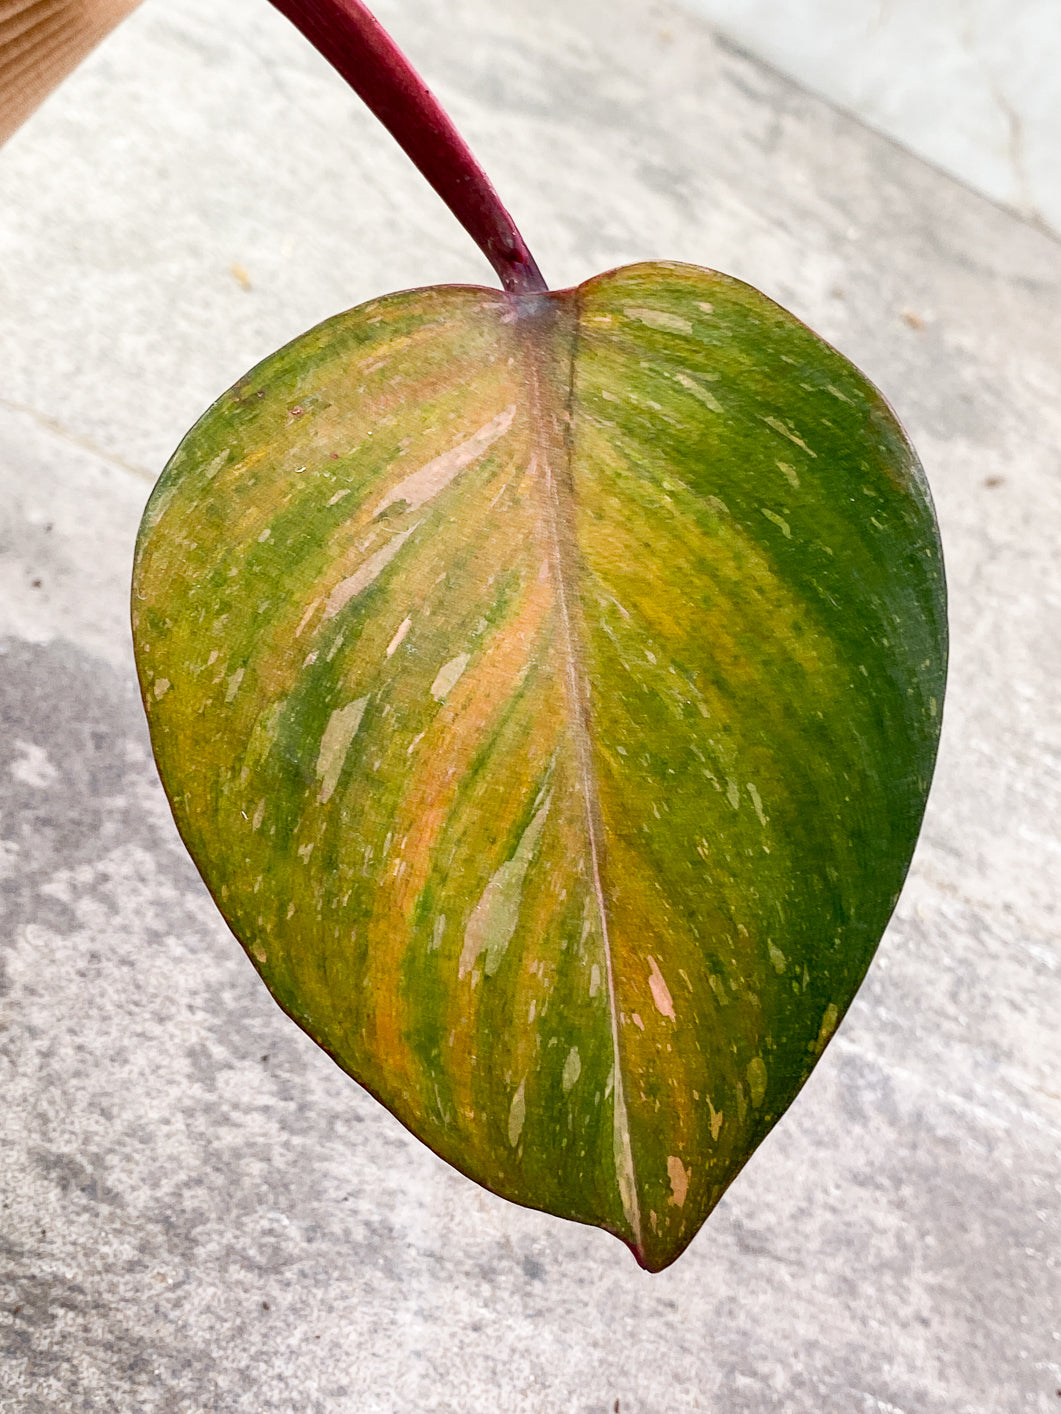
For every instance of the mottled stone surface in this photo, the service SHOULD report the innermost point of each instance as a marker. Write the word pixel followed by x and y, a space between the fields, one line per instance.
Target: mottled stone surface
pixel 971 85
pixel 198 1211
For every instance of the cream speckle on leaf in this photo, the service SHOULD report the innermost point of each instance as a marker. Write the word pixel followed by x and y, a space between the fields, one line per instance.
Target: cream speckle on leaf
pixel 781 523
pixel 517 1113
pixel 335 743
pixel 699 392
pixel 756 800
pixel 396 641
pixel 356 583
pixel 778 426
pixel 790 474
pixel 679 1181
pixel 828 1026
pixel 449 675
pixel 429 480
pixel 660 991
pixel 757 1080
pixel 660 319
pixel 496 915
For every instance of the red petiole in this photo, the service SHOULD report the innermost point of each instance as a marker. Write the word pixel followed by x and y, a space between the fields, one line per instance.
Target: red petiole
pixel 355 43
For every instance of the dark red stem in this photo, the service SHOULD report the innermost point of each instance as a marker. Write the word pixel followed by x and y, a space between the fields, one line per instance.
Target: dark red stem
pixel 352 40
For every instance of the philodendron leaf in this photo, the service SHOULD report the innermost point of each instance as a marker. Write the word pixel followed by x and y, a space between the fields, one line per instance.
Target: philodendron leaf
pixel 547 688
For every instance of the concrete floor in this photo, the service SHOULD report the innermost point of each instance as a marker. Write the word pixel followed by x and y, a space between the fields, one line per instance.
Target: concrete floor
pixel 199 1212
pixel 971 85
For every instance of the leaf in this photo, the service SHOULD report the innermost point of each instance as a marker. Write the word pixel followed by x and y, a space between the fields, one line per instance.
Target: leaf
pixel 547 688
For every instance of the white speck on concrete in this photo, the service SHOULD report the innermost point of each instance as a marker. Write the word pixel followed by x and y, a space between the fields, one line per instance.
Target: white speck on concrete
pixel 33 766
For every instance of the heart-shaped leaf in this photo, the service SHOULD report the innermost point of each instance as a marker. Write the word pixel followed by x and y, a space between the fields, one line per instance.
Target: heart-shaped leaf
pixel 547 688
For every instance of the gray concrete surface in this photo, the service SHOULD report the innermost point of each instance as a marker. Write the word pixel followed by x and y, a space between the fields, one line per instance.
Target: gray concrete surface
pixel 198 1211
pixel 971 85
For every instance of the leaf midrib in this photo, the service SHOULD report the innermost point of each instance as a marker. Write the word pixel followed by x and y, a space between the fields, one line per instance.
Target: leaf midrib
pixel 547 324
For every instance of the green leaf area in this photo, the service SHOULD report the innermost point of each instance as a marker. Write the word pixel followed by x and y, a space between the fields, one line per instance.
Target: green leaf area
pixel 547 688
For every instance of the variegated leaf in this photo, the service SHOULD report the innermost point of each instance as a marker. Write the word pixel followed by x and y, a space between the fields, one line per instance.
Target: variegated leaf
pixel 547 688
